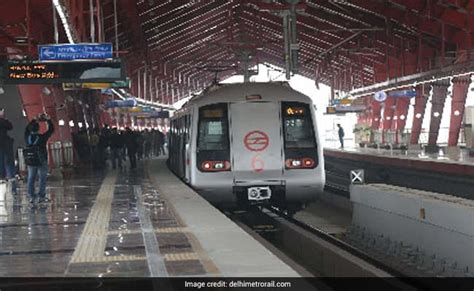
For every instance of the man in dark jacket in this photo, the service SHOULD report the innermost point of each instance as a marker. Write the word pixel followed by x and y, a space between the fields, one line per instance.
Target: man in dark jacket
pixel 103 144
pixel 161 143
pixel 340 133
pixel 33 137
pixel 7 157
pixel 116 145
pixel 131 142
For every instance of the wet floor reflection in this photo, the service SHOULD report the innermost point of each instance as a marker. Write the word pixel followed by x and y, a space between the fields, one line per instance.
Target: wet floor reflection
pixel 41 240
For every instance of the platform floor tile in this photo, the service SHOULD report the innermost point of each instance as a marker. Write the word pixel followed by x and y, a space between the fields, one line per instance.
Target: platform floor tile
pixel 98 224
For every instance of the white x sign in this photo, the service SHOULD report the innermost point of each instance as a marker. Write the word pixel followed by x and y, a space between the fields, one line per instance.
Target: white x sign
pixel 357 176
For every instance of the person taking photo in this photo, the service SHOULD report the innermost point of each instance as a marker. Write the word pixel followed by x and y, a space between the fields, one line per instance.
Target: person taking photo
pixel 36 156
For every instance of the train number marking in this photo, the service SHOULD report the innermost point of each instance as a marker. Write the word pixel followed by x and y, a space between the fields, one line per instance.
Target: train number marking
pixel 257 164
pixel 256 141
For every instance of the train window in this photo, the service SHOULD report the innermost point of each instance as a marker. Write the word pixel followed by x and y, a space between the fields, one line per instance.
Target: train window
pixel 213 128
pixel 297 125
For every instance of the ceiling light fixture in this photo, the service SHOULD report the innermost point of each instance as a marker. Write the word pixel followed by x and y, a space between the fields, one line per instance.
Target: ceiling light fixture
pixel 62 14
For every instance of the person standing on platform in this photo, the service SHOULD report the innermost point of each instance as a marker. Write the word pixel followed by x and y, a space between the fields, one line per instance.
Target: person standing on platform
pixel 94 140
pixel 340 133
pixel 39 140
pixel 103 144
pixel 131 142
pixel 154 146
pixel 161 143
pixel 140 142
pixel 148 142
pixel 116 145
pixel 7 156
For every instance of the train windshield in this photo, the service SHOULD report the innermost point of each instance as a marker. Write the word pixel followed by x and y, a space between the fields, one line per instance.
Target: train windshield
pixel 297 125
pixel 213 128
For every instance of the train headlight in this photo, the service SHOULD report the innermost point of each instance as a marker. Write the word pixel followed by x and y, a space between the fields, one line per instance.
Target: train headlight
pixel 303 163
pixel 253 193
pixel 308 162
pixel 215 166
pixel 296 163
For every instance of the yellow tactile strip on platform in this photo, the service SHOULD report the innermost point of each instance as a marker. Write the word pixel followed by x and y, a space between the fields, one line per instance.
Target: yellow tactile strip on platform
pixel 181 257
pixel 93 239
pixel 168 257
pixel 105 259
pixel 157 230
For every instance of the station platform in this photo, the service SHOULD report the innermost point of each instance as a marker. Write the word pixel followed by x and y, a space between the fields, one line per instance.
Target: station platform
pixel 461 163
pixel 141 223
pixel 409 168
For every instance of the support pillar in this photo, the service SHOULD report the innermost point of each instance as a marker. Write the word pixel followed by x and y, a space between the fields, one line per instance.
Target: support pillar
pixel 460 90
pixel 401 113
pixel 387 116
pixel 422 93
pixel 437 105
pixel 375 119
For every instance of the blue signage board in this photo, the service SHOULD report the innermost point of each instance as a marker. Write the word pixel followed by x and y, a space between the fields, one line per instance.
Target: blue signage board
pixel 72 52
pixel 335 102
pixel 121 103
pixel 403 93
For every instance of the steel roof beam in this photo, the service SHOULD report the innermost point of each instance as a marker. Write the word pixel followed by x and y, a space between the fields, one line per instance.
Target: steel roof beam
pixel 176 23
pixel 200 25
pixel 196 39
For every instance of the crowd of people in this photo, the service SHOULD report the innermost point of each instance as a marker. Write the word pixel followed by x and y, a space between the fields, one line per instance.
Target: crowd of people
pixel 95 147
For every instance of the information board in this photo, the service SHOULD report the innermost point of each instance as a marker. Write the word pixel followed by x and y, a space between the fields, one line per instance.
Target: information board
pixel 96 86
pixel 72 52
pixel 32 72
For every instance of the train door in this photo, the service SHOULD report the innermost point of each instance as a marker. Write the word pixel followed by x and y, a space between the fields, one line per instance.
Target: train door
pixel 256 142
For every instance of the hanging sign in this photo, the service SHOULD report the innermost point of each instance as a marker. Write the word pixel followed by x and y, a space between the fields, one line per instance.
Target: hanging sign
pixel 72 52
pixel 97 86
pixel 32 72
pixel 403 93
pixel 121 103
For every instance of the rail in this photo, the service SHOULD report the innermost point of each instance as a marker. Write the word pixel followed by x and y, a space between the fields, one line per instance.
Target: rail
pixel 335 241
pixel 60 155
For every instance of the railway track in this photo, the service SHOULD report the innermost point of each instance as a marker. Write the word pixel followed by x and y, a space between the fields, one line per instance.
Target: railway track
pixel 322 254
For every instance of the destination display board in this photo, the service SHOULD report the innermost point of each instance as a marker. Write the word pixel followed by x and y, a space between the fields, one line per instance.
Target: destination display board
pixel 33 72
pixel 96 86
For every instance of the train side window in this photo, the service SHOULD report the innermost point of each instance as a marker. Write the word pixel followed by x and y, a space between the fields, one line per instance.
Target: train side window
pixel 297 125
pixel 213 128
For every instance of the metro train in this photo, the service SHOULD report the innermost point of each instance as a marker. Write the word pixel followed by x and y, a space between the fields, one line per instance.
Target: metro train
pixel 249 143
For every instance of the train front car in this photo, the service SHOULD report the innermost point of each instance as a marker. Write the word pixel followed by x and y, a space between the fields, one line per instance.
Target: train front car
pixel 255 143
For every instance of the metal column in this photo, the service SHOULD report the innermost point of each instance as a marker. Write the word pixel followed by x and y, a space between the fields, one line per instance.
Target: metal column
pixel 401 113
pixel 375 118
pixel 437 105
pixel 286 38
pixel 460 91
pixel 388 116
pixel 421 99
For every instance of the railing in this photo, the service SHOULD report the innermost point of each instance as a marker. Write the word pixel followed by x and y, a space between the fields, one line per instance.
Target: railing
pixel 60 154
pixel 403 138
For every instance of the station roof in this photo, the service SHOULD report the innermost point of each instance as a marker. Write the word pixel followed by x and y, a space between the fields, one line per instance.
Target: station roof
pixel 183 45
